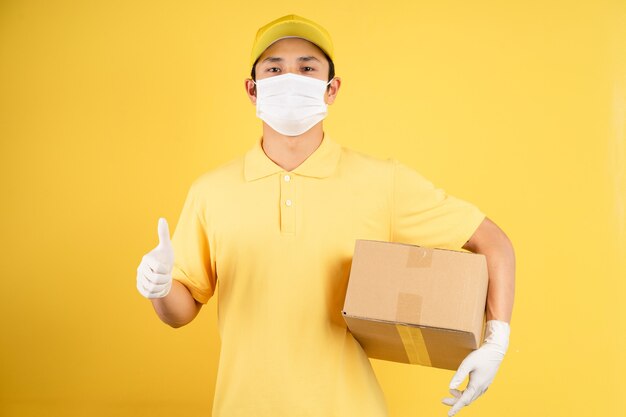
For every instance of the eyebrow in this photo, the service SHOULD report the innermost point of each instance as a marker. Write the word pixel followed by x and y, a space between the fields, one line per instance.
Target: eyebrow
pixel 279 59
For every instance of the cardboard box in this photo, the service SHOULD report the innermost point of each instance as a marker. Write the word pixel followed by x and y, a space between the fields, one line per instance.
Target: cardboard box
pixel 413 304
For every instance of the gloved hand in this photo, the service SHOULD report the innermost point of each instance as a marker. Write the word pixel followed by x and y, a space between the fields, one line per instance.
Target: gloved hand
pixel 481 364
pixel 154 274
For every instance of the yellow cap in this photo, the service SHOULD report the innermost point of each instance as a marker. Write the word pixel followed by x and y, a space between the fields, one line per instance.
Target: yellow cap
pixel 288 26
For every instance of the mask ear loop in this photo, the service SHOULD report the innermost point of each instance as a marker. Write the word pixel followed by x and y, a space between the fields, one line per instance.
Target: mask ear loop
pixel 330 81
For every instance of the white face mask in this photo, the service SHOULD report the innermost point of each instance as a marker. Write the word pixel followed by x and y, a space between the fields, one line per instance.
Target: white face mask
pixel 290 103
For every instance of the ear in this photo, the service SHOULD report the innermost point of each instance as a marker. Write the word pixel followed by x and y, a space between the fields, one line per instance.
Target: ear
pixel 332 90
pixel 250 87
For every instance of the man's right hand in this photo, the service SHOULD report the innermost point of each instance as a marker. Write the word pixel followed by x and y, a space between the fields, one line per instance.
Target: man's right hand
pixel 154 274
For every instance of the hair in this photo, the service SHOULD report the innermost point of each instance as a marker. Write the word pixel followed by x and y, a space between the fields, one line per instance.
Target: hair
pixel 331 68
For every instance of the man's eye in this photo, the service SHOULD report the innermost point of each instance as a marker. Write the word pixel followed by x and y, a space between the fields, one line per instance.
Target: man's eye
pixel 271 68
pixel 310 68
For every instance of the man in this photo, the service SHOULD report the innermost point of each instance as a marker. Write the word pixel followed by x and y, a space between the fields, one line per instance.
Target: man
pixel 278 225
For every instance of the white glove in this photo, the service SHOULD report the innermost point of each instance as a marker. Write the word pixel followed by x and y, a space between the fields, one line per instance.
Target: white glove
pixel 154 274
pixel 481 364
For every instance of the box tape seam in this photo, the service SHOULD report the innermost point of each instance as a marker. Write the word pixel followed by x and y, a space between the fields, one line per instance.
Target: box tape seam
pixel 419 257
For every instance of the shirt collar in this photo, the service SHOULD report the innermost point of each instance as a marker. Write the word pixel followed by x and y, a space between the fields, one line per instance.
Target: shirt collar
pixel 320 164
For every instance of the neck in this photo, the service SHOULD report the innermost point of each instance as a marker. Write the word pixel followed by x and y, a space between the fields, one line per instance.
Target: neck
pixel 289 152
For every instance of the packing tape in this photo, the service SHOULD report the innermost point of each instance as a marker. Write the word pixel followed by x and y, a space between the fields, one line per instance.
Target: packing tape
pixel 419 257
pixel 409 310
pixel 409 307
pixel 414 344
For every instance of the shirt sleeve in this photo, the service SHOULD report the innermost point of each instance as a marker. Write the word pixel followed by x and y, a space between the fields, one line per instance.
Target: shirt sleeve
pixel 425 215
pixel 194 264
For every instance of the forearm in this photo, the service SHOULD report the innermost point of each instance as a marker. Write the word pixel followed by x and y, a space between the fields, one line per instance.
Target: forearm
pixel 501 290
pixel 178 307
pixel 491 241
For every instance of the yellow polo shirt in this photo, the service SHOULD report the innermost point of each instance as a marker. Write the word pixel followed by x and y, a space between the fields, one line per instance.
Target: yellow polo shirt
pixel 280 245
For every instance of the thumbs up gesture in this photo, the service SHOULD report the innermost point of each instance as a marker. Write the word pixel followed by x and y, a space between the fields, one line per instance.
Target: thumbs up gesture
pixel 154 274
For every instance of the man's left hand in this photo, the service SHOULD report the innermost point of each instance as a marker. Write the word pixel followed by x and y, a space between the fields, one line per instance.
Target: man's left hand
pixel 481 365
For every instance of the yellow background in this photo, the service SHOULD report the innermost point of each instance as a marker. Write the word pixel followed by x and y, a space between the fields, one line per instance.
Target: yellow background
pixel 109 109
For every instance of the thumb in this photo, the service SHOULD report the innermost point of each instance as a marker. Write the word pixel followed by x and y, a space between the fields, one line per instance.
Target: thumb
pixel 164 232
pixel 459 376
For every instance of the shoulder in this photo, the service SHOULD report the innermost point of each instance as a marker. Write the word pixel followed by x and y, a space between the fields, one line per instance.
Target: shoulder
pixel 389 170
pixel 352 159
pixel 220 177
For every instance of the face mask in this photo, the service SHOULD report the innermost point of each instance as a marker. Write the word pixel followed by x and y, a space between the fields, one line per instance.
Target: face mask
pixel 290 103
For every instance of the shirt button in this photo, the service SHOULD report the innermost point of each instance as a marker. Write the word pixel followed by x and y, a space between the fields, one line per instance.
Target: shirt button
pixel 287 177
pixel 288 202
